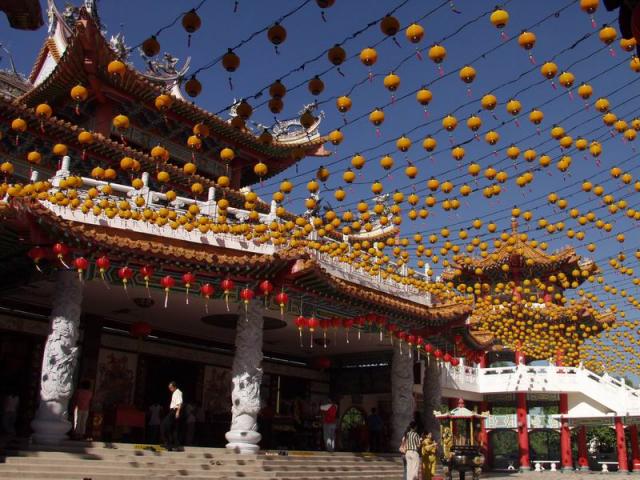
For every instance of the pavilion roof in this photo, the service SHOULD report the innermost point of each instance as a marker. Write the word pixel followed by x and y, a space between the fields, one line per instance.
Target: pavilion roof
pixel 71 69
pixel 520 255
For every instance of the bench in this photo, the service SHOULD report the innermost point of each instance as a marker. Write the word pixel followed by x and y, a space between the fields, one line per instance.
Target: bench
pixel 605 466
pixel 539 465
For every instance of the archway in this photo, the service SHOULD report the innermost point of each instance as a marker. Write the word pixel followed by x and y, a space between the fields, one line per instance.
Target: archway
pixel 503 445
pixel 353 430
pixel 544 445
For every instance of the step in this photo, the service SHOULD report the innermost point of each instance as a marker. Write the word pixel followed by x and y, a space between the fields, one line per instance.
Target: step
pixel 178 462
pixel 93 475
pixel 129 468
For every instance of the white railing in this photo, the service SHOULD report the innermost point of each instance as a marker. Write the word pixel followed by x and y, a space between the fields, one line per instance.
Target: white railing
pixel 154 201
pixel 352 274
pixel 609 392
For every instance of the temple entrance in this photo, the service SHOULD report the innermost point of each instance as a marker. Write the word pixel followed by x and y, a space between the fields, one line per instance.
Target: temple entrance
pixel 544 445
pixel 20 358
pixel 160 371
pixel 353 430
pixel 504 449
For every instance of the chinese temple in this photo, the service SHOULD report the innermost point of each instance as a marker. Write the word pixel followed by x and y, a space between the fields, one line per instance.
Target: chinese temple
pixel 135 253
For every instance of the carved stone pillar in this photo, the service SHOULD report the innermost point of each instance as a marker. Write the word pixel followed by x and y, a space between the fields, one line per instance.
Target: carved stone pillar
pixel 246 372
pixel 402 402
pixel 432 397
pixel 50 424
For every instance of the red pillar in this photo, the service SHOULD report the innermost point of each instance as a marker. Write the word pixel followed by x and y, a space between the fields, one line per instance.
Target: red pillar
pixel 523 430
pixel 483 360
pixel 621 444
pixel 565 434
pixel 635 452
pixel 521 416
pixel 484 437
pixel 583 459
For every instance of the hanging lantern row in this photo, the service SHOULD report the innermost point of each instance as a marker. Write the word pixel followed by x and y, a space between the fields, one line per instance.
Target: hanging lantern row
pixel 60 251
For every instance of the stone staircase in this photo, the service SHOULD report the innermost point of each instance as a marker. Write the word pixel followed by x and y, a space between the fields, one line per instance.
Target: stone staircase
pixel 98 461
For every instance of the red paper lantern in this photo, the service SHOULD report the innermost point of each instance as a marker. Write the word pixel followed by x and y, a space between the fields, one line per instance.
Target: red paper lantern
pixel 428 348
pixel 282 299
pixel 438 353
pixel 411 339
pixel 207 290
pixel 455 362
pixel 167 282
pixel 140 330
pixel 147 272
pixel 447 357
pixel 419 341
pixel 325 324
pixel 227 285
pixel 322 363
pixel 61 250
pixel 266 287
pixel 312 323
pixel 188 279
pixel 246 294
pixel 103 263
pixel 36 254
pixel 300 322
pixel 81 264
pixel 347 323
pixel 125 274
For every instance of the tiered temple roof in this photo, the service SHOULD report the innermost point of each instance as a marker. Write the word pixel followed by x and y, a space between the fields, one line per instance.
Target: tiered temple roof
pixel 77 52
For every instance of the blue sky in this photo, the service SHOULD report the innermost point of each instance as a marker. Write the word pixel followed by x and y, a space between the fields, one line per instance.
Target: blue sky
pixel 564 34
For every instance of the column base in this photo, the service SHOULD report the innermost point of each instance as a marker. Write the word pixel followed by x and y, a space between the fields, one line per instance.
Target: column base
pixel 566 469
pixel 243 441
pixel 584 468
pixel 50 432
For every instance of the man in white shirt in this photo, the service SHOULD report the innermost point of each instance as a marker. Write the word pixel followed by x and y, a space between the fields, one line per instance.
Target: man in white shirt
pixel 170 422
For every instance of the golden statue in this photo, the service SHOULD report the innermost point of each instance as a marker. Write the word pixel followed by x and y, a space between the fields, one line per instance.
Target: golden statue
pixel 429 449
pixel 447 443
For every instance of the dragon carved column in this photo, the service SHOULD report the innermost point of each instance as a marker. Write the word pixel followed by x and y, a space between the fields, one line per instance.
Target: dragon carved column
pixel 402 402
pixel 432 397
pixel 59 360
pixel 246 372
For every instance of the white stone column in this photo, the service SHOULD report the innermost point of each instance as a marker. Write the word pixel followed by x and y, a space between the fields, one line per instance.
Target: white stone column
pixel 246 371
pixel 402 402
pixel 432 397
pixel 50 424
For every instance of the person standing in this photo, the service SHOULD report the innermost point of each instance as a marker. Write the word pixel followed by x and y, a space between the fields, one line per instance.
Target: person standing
pixel 412 454
pixel 170 421
pixel 329 420
pixel 81 409
pixel 10 413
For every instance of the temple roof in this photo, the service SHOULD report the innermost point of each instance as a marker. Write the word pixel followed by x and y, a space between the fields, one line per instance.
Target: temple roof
pixel 23 14
pixel 57 130
pixel 84 60
pixel 310 276
pixel 524 261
